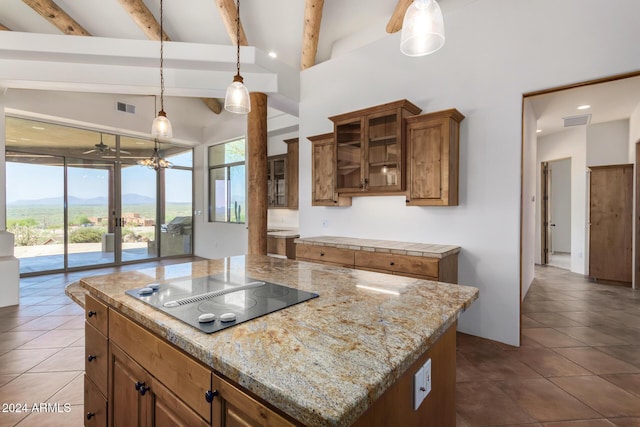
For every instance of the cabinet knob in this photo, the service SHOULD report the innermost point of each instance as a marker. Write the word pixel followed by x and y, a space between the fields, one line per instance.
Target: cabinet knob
pixel 392 263
pixel 142 388
pixel 209 395
pixel 90 415
pixel 321 253
pixel 91 358
pixel 91 313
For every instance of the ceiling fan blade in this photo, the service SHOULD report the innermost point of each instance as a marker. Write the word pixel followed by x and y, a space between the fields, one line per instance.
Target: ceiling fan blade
pixel 124 152
pixel 88 152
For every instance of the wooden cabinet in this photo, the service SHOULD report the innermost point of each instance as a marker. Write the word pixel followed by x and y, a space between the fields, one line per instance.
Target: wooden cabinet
pixel 281 246
pixel 441 267
pixel 323 172
pixel 432 158
pixel 151 383
pixel 237 408
pixel 292 172
pixel 370 148
pixel 96 357
pixel 610 223
pixel 277 181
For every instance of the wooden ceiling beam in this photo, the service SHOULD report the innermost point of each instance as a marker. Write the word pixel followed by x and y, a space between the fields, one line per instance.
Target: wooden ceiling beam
pixel 395 22
pixel 311 33
pixel 143 17
pixel 228 13
pixel 3 28
pixel 58 17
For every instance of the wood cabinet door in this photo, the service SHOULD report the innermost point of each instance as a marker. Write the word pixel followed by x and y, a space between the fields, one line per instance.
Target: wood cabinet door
pixel 169 411
pixel 432 158
pixel 128 406
pixel 610 219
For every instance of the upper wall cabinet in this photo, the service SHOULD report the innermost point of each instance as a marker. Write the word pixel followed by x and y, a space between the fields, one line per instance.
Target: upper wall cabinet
pixel 292 172
pixel 432 158
pixel 323 163
pixel 277 181
pixel 369 148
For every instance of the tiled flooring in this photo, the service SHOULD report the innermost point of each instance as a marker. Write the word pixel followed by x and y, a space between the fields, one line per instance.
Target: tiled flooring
pixel 579 364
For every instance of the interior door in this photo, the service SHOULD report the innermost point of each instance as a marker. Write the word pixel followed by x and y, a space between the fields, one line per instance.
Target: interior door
pixel 610 225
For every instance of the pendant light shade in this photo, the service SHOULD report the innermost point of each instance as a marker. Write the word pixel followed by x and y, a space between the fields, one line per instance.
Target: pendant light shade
pixel 422 28
pixel 161 127
pixel 237 99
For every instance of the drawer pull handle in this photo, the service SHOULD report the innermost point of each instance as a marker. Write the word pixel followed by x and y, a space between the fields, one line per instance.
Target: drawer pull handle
pixel 209 395
pixel 321 253
pixel 392 263
pixel 90 415
pixel 91 358
pixel 91 313
pixel 142 388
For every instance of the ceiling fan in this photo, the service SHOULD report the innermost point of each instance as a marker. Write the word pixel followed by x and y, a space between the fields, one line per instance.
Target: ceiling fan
pixel 103 148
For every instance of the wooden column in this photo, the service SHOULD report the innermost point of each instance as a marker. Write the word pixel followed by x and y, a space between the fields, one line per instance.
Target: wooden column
pixel 257 174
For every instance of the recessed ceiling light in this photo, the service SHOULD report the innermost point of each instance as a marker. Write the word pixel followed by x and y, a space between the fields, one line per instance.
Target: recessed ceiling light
pixel 37 127
pixel 538 130
pixel 273 54
pixel 584 107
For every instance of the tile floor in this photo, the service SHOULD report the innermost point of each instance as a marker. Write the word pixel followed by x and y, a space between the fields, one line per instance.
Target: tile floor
pixel 579 363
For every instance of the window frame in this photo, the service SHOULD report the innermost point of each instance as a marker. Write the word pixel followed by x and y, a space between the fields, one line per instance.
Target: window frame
pixel 226 167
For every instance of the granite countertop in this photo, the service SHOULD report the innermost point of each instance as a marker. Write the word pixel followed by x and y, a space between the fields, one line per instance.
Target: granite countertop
pixel 323 361
pixel 388 246
pixel 283 232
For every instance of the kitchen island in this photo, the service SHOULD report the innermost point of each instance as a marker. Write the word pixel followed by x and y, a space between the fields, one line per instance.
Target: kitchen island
pixel 346 357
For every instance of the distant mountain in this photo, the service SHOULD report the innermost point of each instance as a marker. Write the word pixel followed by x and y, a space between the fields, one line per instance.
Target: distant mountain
pixel 127 199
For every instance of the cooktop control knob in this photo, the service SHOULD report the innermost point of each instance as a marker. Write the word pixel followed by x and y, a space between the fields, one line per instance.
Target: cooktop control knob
pixel 154 286
pixel 145 291
pixel 206 318
pixel 227 317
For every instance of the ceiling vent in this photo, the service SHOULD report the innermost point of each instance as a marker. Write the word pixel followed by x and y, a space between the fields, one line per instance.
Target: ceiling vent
pixel 582 120
pixel 125 108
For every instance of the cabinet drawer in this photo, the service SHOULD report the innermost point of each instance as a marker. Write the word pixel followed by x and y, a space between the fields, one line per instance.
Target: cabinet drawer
pixel 325 254
pixel 95 405
pixel 178 372
pixel 96 314
pixel 96 357
pixel 399 264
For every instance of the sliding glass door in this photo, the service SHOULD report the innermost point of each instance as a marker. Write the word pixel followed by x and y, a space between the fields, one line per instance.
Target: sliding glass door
pixel 78 199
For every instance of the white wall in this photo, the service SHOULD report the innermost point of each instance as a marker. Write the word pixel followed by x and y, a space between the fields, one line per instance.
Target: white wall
pixel 486 65
pixel 634 138
pixel 608 143
pixel 569 144
pixel 561 205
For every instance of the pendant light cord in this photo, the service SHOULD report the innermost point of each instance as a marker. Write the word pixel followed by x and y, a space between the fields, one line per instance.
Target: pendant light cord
pixel 238 37
pixel 161 59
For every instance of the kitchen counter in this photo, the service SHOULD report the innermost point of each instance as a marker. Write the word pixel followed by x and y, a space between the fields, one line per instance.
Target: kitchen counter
pixel 322 362
pixel 383 246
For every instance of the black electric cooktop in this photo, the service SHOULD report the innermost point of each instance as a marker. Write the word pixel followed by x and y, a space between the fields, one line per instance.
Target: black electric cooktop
pixel 213 303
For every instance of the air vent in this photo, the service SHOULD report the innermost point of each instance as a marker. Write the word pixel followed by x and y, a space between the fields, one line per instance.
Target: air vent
pixel 125 108
pixel 577 120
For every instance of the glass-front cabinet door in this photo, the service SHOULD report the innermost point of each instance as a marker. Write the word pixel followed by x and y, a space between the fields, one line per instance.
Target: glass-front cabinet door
pixel 277 181
pixel 349 152
pixel 383 160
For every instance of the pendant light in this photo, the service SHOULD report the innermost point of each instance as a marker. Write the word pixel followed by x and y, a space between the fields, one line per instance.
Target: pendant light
pixel 422 28
pixel 155 162
pixel 161 127
pixel 237 98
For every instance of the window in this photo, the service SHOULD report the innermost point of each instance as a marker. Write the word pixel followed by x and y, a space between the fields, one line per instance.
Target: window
pixel 227 182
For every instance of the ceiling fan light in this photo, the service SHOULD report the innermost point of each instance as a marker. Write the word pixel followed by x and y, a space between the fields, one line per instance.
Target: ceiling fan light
pixel 422 29
pixel 237 99
pixel 161 127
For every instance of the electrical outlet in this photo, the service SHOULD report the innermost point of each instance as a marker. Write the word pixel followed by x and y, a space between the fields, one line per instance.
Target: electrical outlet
pixel 421 384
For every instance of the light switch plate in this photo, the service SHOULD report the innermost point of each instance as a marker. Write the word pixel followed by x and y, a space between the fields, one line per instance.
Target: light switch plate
pixel 421 384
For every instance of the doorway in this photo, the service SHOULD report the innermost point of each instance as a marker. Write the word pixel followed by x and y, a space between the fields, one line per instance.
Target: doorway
pixel 556 213
pixel 78 199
